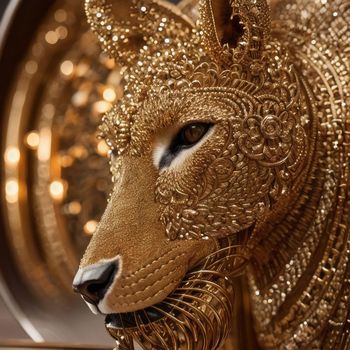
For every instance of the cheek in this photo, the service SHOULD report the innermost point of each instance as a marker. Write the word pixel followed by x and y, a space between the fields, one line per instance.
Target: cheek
pixel 213 196
pixel 184 184
pixel 199 197
pixel 186 178
pixel 225 202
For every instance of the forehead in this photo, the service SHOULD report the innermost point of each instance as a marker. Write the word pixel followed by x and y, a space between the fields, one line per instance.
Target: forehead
pixel 133 129
pixel 167 109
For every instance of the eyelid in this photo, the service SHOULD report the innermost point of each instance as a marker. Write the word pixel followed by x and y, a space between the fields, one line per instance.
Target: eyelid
pixel 180 133
pixel 183 124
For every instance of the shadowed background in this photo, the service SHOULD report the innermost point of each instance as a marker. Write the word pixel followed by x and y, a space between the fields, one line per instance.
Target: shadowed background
pixel 69 84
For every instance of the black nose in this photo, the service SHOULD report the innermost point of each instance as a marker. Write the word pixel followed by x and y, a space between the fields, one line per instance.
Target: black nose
pixel 93 281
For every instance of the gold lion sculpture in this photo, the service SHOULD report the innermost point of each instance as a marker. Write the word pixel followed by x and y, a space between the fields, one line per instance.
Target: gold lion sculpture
pixel 229 217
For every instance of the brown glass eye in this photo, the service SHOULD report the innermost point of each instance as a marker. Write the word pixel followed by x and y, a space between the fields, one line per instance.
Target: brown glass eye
pixel 192 133
pixel 187 137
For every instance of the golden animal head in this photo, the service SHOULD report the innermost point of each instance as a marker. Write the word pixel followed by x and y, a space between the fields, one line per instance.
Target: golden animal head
pixel 207 144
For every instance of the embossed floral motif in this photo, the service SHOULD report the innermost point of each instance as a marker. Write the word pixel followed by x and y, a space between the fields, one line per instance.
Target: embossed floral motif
pixel 267 136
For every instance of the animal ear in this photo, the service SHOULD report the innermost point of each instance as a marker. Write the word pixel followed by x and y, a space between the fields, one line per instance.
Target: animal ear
pixel 124 26
pixel 235 31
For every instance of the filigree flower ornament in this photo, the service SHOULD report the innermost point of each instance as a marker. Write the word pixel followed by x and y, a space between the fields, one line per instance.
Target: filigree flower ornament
pixel 268 136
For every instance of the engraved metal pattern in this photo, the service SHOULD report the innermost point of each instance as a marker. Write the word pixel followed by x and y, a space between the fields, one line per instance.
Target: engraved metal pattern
pixel 277 163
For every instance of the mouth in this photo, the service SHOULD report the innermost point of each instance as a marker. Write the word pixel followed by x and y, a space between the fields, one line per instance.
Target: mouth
pixel 197 315
pixel 133 319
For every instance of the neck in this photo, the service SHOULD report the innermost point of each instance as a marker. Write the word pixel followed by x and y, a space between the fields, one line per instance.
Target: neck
pixel 299 281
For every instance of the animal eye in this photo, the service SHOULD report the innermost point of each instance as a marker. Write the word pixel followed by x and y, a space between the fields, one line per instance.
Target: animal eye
pixel 192 133
pixel 187 137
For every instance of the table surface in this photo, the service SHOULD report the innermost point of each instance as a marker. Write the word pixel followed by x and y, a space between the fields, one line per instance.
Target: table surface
pixel 29 345
pixel 9 327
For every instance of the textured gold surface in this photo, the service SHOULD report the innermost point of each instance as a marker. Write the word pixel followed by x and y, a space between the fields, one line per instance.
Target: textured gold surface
pixel 197 315
pixel 273 175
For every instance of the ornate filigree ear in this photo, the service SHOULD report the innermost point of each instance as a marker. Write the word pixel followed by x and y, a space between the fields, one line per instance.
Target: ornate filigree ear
pixel 236 31
pixel 122 28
